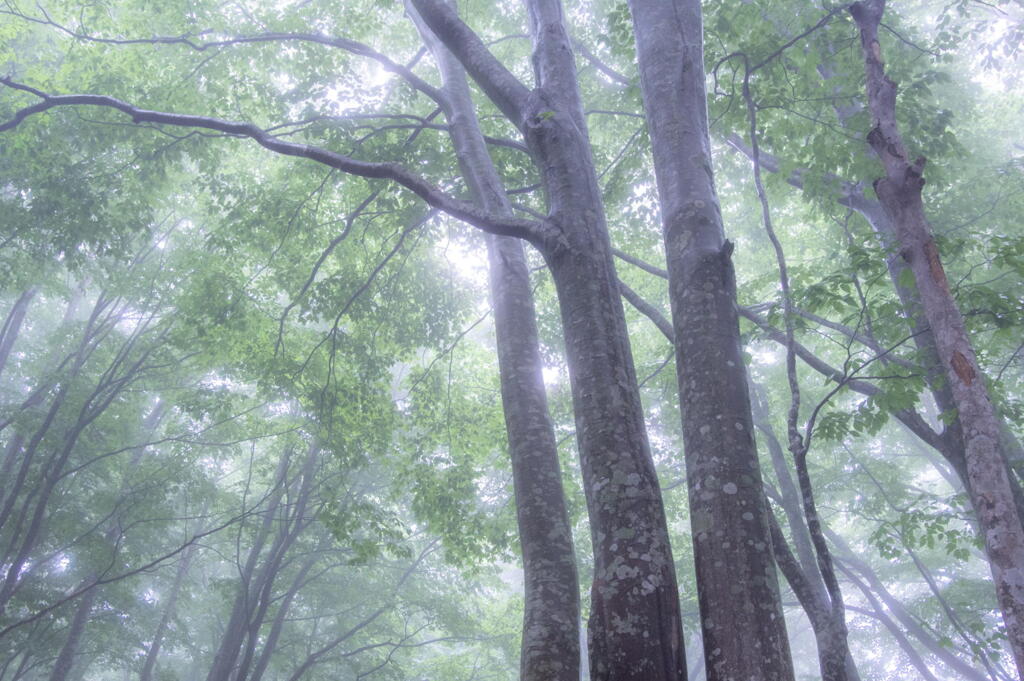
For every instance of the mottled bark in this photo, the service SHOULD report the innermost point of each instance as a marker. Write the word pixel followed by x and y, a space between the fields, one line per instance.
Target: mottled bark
pixel 550 637
pixel 634 630
pixel 899 191
pixel 741 613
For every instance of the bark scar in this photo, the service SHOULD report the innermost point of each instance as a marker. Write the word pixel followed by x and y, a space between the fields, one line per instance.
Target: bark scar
pixel 931 253
pixel 962 367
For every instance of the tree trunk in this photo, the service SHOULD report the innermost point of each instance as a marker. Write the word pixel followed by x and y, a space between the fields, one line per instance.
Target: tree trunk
pixel 550 644
pixel 741 611
pixel 900 194
pixel 802 571
pixel 66 659
pixel 153 654
pixel 226 657
pixel 635 630
pixel 12 325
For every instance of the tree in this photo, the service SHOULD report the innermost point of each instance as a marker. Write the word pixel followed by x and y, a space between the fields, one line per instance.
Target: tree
pixel 297 264
pixel 635 580
pixel 740 606
pixel 900 194
pixel 550 648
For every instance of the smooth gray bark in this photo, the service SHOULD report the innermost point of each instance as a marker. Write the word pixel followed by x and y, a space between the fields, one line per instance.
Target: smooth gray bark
pixel 550 637
pixel 741 611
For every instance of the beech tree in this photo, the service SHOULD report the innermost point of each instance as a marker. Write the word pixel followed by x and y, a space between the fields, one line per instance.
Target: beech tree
pixel 326 300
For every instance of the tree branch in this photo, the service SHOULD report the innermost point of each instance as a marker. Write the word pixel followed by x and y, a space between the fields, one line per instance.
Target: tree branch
pixel 188 41
pixel 544 235
pixel 497 82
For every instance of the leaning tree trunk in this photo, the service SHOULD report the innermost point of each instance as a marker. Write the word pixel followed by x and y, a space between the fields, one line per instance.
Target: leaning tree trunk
pixel 802 571
pixel 741 611
pixel 12 325
pixel 635 630
pixel 153 652
pixel 550 636
pixel 66 658
pixel 900 194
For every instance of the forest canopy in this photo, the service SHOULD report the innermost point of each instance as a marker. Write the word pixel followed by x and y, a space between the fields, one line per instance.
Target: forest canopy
pixel 540 340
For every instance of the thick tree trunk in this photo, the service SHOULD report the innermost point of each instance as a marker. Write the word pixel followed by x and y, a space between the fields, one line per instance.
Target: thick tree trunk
pixel 635 630
pixel 739 600
pixel 900 194
pixel 550 644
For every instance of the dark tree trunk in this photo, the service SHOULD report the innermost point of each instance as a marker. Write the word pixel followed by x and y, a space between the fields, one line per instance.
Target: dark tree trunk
pixel 900 194
pixel 740 606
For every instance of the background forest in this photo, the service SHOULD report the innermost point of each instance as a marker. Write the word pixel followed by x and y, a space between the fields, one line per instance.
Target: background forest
pixel 251 417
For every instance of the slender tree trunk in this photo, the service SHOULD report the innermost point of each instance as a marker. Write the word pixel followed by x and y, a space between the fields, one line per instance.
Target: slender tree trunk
pixel 802 571
pixel 66 659
pixel 153 654
pixel 274 635
pixel 950 442
pixel 900 194
pixel 635 630
pixel 226 657
pixel 875 589
pixel 550 647
pixel 908 648
pixel 12 325
pixel 740 606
